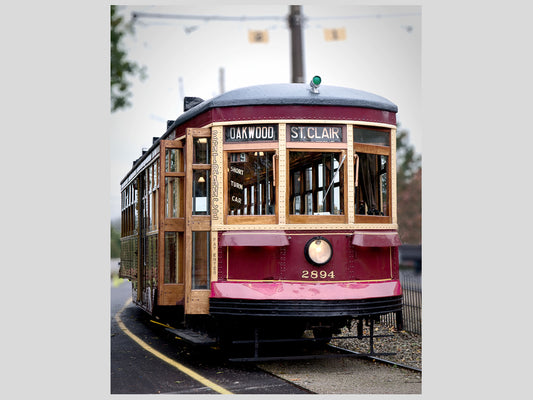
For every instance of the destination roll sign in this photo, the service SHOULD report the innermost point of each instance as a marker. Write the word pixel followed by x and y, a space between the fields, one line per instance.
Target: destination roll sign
pixel 315 133
pixel 250 133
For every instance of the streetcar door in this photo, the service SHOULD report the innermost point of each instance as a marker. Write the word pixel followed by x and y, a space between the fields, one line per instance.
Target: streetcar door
pixel 185 223
pixel 171 239
pixel 198 220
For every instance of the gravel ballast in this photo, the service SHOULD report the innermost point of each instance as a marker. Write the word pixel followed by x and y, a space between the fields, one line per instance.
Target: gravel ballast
pixel 406 345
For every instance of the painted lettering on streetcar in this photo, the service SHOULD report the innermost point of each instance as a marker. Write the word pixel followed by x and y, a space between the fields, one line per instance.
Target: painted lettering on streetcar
pixel 306 274
pixel 319 133
pixel 250 133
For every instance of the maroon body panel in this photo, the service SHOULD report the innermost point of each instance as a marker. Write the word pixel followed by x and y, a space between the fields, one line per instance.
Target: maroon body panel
pixel 249 113
pixel 305 291
pixel 279 256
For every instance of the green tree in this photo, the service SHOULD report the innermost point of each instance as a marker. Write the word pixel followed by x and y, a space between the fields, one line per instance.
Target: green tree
pixel 115 242
pixel 409 188
pixel 121 67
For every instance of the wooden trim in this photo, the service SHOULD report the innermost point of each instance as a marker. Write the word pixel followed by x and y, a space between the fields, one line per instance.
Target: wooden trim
pixel 372 219
pixel 368 148
pixel 174 225
pixel 281 205
pixel 349 206
pixel 314 145
pixel 236 147
pixel 201 166
pixel 251 219
pixel 171 294
pixel 199 132
pixel 317 219
pixel 200 222
pixel 197 301
pixel 217 176
pixel 188 214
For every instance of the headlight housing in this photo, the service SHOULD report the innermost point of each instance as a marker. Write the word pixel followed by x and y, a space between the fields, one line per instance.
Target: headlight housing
pixel 318 251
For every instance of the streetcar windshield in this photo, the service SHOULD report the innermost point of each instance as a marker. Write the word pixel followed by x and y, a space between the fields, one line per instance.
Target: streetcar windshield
pixel 316 183
pixel 251 183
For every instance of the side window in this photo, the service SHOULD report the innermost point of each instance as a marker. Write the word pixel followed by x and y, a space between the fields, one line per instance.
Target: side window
pixel 173 257
pixel 174 207
pixel 201 180
pixel 200 260
pixel 372 185
pixel 372 172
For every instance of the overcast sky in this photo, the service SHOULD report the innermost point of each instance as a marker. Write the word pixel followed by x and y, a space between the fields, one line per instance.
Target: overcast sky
pixel 381 54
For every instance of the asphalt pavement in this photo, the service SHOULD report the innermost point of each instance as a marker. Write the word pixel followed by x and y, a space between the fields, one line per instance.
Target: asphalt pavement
pixel 135 370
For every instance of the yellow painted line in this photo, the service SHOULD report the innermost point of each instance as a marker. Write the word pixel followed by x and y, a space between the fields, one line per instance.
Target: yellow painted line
pixel 177 365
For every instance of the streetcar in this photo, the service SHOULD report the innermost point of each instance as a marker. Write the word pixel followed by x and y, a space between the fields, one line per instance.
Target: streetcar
pixel 269 209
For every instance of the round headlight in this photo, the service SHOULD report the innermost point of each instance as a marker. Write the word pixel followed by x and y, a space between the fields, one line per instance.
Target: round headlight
pixel 318 251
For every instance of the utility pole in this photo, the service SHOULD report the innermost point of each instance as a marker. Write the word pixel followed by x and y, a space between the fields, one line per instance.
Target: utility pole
pixel 295 25
pixel 221 80
pixel 295 22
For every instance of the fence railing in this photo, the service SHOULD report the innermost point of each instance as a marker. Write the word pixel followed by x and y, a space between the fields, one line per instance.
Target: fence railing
pixel 412 304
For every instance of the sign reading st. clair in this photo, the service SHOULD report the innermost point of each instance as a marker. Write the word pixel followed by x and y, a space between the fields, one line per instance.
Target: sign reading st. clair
pixel 250 133
pixel 319 133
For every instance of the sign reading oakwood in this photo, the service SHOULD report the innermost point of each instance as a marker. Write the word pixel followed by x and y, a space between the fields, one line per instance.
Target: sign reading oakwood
pixel 250 133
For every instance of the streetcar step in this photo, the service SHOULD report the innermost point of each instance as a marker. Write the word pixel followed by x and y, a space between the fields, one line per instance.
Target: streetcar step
pixel 193 336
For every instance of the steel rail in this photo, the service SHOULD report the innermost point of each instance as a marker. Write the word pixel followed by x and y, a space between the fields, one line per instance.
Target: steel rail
pixel 375 358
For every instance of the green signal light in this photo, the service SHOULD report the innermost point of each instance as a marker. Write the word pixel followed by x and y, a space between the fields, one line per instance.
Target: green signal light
pixel 315 83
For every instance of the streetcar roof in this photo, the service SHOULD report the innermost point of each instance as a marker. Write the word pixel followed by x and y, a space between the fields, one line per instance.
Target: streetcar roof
pixel 290 94
pixel 281 94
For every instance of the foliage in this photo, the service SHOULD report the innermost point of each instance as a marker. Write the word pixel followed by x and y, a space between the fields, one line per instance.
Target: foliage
pixel 115 242
pixel 121 67
pixel 409 185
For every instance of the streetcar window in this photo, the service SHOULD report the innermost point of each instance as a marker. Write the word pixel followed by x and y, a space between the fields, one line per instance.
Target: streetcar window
pixel 201 150
pixel 251 183
pixel 317 183
pixel 173 160
pixel 174 197
pixel 173 257
pixel 371 136
pixel 200 260
pixel 371 184
pixel 200 189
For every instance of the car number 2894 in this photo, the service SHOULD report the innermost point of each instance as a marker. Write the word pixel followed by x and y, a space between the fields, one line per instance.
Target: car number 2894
pixel 306 274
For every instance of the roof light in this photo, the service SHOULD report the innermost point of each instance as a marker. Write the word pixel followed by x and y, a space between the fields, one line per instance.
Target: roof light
pixel 315 83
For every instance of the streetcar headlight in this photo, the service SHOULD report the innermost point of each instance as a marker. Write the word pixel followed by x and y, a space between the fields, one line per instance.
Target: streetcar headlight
pixel 318 251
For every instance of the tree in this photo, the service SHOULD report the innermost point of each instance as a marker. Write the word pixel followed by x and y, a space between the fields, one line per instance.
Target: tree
pixel 409 186
pixel 115 242
pixel 121 67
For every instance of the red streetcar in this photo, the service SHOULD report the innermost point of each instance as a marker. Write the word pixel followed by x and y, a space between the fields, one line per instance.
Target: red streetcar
pixel 267 209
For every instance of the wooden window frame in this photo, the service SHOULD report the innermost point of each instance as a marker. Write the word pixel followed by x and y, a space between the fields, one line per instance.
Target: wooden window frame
pixel 383 151
pixel 250 219
pixel 317 219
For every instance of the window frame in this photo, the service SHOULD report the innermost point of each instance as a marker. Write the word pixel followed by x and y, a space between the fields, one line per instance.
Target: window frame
pixel 232 148
pixel 378 150
pixel 319 219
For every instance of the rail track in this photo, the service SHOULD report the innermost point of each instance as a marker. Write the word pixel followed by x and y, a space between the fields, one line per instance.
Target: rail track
pixel 381 360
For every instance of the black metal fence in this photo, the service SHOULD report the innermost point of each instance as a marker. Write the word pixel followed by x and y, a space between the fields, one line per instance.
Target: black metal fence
pixel 412 303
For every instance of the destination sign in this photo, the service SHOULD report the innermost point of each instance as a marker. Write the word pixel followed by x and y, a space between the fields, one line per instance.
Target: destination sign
pixel 250 133
pixel 319 133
